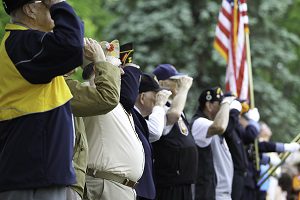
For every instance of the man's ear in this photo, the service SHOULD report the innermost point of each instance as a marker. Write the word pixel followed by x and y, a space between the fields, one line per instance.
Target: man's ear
pixel 141 98
pixel 160 82
pixel 208 106
pixel 29 10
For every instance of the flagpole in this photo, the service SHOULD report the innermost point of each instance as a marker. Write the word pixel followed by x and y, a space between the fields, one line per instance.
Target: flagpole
pixel 251 90
pixel 251 93
pixel 274 168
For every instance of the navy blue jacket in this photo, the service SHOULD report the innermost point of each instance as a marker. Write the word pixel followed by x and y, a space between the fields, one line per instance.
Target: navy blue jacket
pixel 146 187
pixel 36 149
pixel 129 92
pixel 248 136
pixel 235 143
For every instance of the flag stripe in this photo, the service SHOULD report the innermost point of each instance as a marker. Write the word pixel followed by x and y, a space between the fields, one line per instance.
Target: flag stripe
pixel 230 43
pixel 221 49
pixel 225 21
pixel 223 38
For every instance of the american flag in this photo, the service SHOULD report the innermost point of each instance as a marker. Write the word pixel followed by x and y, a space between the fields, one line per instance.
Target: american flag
pixel 230 42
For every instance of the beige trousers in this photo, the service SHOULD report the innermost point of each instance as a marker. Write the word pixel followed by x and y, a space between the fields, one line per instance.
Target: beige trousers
pixel 101 189
pixel 72 194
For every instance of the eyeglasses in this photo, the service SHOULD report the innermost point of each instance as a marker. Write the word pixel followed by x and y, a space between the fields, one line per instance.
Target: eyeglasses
pixel 35 2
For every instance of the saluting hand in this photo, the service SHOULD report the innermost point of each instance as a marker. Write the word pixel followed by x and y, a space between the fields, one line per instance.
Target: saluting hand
pixel 93 50
pixel 185 82
pixel 162 97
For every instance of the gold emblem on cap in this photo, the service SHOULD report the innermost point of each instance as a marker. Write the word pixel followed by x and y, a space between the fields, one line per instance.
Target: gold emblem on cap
pixel 130 60
pixel 126 56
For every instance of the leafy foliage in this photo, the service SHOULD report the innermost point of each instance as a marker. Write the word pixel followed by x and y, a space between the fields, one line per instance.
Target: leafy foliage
pixel 91 12
pixel 3 20
pixel 182 33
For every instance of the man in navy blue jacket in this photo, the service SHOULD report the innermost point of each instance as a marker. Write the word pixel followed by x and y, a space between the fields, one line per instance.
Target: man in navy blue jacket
pixel 43 42
pixel 248 132
pixel 144 104
pixel 145 188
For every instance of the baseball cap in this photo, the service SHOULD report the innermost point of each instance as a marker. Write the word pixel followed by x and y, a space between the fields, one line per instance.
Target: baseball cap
pixel 166 71
pixel 149 83
pixel 111 48
pixel 210 95
pixel 10 5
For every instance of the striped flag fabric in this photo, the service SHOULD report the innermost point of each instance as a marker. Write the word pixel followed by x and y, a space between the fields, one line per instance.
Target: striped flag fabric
pixel 230 42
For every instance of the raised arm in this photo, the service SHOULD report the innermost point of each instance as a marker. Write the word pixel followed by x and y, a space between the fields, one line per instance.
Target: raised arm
pixel 88 101
pixel 178 103
pixel 45 55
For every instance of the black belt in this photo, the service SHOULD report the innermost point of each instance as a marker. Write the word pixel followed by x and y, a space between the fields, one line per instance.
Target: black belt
pixel 109 176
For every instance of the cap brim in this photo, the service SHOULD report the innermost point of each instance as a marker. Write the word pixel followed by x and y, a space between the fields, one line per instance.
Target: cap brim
pixel 178 76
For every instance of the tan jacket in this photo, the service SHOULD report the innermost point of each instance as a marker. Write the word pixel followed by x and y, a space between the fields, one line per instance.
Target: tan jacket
pixel 89 101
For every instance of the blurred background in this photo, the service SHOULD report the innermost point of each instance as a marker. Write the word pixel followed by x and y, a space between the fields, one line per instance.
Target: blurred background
pixel 182 33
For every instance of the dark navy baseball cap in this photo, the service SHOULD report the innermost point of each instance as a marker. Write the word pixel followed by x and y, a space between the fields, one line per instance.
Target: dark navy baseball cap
pixel 210 95
pixel 149 83
pixel 166 71
pixel 10 5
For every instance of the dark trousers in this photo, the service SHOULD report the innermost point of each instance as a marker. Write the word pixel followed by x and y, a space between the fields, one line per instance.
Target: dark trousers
pixel 262 195
pixel 238 185
pixel 205 190
pixel 249 194
pixel 175 192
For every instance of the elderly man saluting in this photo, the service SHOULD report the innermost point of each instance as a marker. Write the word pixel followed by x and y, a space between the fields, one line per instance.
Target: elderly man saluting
pixel 43 42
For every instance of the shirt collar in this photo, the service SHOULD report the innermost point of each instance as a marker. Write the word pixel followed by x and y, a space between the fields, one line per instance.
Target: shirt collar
pixel 137 109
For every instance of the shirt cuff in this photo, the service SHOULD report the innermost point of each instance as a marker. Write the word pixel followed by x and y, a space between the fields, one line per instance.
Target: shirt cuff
pixel 264 159
pixel 279 147
pixel 255 124
pixel 158 109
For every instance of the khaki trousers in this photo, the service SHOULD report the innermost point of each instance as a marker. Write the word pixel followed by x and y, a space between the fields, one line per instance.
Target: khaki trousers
pixel 101 189
pixel 72 194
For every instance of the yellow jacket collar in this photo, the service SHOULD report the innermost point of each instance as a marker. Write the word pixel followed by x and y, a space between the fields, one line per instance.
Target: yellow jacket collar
pixel 10 27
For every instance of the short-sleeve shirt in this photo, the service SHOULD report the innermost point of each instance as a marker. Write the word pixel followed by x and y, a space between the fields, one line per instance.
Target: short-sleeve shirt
pixel 223 164
pixel 199 131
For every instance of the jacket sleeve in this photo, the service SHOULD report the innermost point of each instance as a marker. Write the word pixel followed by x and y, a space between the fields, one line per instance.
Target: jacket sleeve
pixel 267 147
pixel 89 101
pixel 233 122
pixel 41 56
pixel 130 83
pixel 249 134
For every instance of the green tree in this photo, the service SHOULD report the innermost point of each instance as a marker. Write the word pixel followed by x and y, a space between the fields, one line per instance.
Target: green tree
pixel 93 14
pixel 182 33
pixel 3 20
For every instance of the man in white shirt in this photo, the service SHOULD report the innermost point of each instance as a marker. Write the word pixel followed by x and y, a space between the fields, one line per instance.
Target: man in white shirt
pixel 150 103
pixel 215 170
pixel 149 90
pixel 116 154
